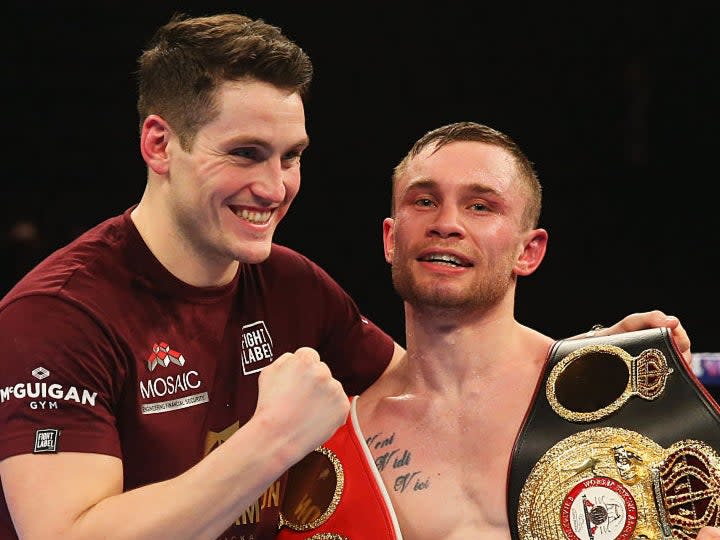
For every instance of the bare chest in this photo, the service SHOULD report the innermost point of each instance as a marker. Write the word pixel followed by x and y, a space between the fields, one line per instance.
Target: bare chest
pixel 446 473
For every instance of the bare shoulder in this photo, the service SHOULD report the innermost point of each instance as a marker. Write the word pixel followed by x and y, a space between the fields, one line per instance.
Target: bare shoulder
pixel 535 338
pixel 369 401
pixel 389 383
pixel 532 345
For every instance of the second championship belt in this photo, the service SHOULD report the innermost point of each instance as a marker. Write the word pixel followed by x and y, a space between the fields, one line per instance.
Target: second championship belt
pixel 336 492
pixel 621 442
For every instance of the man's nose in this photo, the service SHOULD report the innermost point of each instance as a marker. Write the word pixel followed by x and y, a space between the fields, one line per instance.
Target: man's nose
pixel 270 184
pixel 447 223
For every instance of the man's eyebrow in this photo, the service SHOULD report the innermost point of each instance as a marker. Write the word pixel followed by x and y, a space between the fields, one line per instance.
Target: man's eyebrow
pixel 481 189
pixel 421 183
pixel 428 183
pixel 264 143
pixel 303 144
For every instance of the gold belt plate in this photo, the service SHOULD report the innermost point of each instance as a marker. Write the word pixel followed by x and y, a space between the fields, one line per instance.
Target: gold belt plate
pixel 616 484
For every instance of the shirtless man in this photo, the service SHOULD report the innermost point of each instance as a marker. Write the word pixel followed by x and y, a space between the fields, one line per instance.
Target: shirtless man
pixel 466 204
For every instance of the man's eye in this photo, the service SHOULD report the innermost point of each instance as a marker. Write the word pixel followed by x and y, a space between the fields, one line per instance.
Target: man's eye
pixel 479 207
pixel 424 202
pixel 293 157
pixel 248 153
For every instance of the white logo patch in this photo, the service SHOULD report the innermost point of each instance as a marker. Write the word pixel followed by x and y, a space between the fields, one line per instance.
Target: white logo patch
pixel 257 352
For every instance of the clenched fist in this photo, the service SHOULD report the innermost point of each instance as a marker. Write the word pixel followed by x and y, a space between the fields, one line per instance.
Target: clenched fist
pixel 299 397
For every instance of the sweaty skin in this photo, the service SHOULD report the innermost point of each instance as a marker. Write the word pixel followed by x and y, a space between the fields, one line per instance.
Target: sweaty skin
pixel 441 425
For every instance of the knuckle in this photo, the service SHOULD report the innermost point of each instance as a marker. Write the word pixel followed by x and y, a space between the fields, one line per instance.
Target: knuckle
pixel 307 353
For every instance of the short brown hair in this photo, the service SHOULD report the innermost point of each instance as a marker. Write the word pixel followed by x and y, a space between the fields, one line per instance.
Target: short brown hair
pixel 472 131
pixel 189 57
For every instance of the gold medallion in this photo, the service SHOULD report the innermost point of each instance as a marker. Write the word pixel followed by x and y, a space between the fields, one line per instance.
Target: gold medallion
pixel 615 484
pixel 314 487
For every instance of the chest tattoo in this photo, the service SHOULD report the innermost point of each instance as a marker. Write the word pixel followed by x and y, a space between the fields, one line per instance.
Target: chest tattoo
pixel 394 461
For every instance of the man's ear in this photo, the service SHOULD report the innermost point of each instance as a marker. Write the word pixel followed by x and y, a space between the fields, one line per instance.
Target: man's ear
pixel 533 252
pixel 389 238
pixel 153 143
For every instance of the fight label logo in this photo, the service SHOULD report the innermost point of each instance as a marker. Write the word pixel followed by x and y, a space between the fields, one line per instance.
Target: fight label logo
pixel 257 351
pixel 46 441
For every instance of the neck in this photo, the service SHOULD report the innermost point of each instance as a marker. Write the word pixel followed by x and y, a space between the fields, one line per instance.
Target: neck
pixel 165 240
pixel 450 349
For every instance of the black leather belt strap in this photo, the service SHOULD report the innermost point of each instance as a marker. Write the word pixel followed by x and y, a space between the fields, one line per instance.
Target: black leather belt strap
pixel 683 410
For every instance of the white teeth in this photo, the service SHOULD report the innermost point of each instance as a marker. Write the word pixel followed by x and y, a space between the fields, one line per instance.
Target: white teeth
pixel 444 258
pixel 258 218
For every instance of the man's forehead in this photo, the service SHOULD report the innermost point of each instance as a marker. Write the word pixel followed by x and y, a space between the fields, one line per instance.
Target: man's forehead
pixel 249 97
pixel 467 161
pixel 253 112
pixel 471 150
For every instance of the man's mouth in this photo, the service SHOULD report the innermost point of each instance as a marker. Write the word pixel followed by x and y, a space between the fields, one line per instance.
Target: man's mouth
pixel 253 216
pixel 444 258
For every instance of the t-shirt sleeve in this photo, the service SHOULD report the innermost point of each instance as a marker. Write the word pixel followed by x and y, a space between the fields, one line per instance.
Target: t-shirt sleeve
pixel 356 350
pixel 359 355
pixel 59 378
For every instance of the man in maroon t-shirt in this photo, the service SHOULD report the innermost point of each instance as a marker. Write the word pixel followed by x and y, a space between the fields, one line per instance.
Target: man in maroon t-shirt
pixel 161 373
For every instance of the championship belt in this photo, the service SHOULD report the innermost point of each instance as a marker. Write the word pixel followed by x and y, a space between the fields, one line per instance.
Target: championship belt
pixel 621 442
pixel 337 493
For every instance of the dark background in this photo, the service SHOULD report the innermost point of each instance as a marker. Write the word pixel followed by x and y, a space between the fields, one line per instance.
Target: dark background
pixel 613 102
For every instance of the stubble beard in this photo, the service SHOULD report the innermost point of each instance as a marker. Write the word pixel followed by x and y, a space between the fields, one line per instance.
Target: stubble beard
pixel 481 294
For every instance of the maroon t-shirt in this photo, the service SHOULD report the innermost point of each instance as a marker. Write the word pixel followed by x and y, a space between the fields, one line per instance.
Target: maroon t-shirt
pixel 105 351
